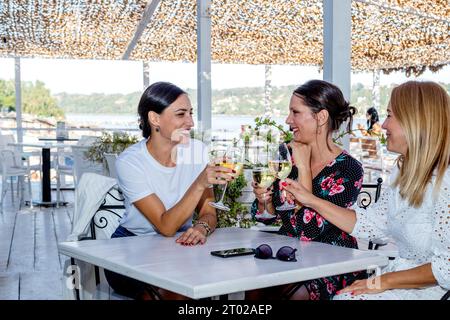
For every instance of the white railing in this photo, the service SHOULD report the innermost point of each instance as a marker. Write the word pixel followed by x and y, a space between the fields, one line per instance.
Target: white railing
pixel 51 132
pixel 71 129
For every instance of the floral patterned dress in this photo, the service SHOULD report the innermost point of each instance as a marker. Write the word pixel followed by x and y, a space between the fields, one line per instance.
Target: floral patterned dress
pixel 339 182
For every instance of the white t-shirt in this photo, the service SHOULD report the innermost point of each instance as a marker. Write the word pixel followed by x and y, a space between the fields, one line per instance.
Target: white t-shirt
pixel 140 175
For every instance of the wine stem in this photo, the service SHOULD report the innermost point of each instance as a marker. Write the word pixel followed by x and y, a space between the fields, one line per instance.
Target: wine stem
pixel 284 195
pixel 223 193
pixel 265 208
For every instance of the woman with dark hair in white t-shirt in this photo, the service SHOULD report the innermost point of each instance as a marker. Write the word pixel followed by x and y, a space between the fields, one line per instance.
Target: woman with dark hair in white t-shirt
pixel 165 178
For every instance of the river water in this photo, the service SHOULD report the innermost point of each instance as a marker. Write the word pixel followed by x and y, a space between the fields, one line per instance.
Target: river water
pixel 219 122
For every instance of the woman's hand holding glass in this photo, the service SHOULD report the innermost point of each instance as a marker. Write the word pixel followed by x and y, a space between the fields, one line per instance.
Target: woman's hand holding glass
pixel 231 159
pixel 291 199
pixel 300 193
pixel 213 174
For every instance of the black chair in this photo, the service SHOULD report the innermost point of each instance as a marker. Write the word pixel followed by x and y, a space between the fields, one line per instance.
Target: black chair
pixel 365 197
pixel 112 207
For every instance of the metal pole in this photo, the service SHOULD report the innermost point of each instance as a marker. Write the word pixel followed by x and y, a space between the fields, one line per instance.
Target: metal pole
pixel 267 90
pixel 146 73
pixel 18 89
pixel 204 64
pixel 337 23
pixel 376 89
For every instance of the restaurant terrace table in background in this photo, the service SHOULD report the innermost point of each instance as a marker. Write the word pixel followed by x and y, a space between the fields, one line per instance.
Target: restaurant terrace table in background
pixel 58 139
pixel 46 163
pixel 195 273
pixel 62 140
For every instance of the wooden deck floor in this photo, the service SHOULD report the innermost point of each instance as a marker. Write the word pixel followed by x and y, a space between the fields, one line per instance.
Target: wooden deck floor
pixel 30 266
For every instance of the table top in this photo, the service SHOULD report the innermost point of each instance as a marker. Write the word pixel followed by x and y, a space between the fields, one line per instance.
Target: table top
pixel 57 139
pixel 43 145
pixel 194 272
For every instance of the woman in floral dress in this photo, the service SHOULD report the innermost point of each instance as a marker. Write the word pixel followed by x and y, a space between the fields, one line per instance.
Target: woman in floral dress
pixel 316 110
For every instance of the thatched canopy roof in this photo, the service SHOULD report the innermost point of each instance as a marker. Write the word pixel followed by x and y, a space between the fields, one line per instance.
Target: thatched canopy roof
pixel 386 34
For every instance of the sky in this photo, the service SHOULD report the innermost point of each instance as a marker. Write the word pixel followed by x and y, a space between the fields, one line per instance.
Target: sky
pixel 103 76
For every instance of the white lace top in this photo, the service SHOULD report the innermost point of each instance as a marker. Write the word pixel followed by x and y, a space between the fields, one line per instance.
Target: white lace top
pixel 422 235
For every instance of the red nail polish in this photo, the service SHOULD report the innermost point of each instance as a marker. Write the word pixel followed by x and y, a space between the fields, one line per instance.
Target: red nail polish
pixel 284 184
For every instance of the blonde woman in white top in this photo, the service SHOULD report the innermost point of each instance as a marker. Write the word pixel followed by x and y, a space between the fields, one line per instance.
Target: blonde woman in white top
pixel 415 209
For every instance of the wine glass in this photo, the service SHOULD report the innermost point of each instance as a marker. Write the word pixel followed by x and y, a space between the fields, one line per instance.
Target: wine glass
pixel 280 164
pixel 264 178
pixel 233 158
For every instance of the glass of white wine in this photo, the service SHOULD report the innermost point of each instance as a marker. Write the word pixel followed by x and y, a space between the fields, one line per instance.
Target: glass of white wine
pixel 280 164
pixel 232 158
pixel 264 178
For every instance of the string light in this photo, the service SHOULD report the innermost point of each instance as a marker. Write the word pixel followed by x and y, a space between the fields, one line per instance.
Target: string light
pixel 407 35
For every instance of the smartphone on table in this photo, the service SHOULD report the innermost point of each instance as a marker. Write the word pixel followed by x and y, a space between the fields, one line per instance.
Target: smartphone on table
pixel 233 252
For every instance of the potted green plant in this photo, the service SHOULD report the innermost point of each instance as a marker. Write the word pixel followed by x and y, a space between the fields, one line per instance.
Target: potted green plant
pixel 114 142
pixel 286 136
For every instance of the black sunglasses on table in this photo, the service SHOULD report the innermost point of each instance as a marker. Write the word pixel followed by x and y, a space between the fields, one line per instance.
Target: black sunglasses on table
pixel 285 253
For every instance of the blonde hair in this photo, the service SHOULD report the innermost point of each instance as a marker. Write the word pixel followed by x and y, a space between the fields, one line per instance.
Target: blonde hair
pixel 423 112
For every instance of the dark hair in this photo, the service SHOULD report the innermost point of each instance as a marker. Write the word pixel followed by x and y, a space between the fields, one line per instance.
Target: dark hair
pixel 321 95
pixel 373 117
pixel 156 97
